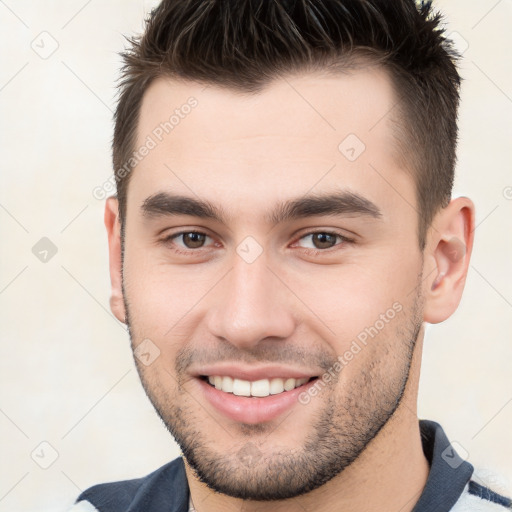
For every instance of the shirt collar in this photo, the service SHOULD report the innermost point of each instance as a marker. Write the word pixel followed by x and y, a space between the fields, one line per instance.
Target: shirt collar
pixel 448 475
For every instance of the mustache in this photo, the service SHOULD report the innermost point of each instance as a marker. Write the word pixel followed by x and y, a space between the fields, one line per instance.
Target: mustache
pixel 269 353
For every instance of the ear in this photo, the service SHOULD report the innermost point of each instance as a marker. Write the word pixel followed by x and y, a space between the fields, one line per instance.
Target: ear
pixel 113 225
pixel 448 250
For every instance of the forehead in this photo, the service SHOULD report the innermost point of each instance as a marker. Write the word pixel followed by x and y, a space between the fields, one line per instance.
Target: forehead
pixel 351 101
pixel 298 131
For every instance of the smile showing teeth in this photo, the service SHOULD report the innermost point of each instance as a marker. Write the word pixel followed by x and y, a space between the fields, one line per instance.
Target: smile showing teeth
pixel 257 388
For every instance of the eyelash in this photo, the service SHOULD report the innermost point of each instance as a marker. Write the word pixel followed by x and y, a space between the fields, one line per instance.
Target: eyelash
pixel 344 241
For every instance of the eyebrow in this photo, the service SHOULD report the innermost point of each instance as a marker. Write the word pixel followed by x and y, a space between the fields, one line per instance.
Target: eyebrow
pixel 342 203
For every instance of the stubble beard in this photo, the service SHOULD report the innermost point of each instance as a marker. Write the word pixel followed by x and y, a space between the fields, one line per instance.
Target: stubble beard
pixel 345 425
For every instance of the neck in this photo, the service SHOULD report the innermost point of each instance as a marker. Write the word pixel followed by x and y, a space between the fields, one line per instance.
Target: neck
pixel 389 475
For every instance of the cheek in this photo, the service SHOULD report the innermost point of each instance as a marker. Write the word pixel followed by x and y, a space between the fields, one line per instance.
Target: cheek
pixel 163 300
pixel 345 299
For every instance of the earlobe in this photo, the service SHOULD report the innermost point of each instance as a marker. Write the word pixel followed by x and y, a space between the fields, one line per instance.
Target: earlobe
pixel 113 225
pixel 449 250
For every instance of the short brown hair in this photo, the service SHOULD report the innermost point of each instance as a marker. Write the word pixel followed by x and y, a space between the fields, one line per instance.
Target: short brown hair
pixel 244 44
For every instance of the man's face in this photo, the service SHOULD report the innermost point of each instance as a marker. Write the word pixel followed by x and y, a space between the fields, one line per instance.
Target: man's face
pixel 258 306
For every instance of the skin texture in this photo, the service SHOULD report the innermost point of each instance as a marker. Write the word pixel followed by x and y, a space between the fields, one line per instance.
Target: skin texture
pixel 356 444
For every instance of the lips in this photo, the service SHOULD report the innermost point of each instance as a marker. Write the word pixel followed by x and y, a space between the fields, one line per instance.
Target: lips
pixel 253 395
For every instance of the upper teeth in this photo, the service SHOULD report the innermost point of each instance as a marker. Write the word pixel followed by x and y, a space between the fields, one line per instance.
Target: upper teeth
pixel 260 388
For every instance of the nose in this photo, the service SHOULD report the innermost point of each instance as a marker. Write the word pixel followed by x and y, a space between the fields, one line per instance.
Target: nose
pixel 251 305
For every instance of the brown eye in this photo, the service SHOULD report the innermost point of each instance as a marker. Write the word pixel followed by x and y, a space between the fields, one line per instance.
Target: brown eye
pixel 322 240
pixel 186 241
pixel 192 239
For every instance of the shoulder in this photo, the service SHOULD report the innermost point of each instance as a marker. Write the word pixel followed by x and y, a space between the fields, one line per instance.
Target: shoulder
pixel 151 492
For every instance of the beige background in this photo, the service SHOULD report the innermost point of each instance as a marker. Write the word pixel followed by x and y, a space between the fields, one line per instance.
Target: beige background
pixel 67 374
